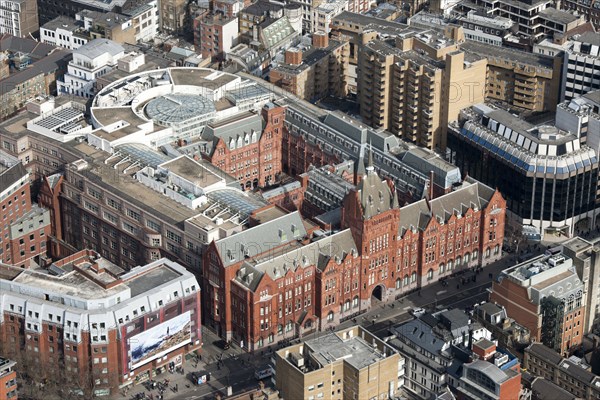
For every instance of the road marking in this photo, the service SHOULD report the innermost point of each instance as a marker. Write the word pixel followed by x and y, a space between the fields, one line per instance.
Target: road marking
pixel 407 308
pixel 441 292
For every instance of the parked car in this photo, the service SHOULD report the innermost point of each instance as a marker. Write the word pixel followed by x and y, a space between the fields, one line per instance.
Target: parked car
pixel 417 312
pixel 222 344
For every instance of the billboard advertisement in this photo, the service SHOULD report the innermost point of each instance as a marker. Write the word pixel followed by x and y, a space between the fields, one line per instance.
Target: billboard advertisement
pixel 160 340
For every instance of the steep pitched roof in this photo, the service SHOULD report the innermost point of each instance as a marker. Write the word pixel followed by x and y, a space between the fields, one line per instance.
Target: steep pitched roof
pixel 415 215
pixel 459 201
pixel 375 194
pixel 317 253
pixel 261 238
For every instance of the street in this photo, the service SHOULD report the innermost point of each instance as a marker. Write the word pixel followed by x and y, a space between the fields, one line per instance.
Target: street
pixel 234 367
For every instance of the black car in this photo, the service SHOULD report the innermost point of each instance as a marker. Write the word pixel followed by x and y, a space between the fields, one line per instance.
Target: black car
pixel 223 344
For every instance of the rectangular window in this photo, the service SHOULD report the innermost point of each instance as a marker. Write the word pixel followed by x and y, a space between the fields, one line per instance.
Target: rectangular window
pixel 133 215
pixel 174 237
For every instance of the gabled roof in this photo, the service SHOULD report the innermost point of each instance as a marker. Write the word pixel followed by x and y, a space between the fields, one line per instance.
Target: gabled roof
pixel 29 46
pixel 459 201
pixel 261 239
pixel 317 253
pixel 235 128
pixel 415 215
pixel 375 194
pixel 545 353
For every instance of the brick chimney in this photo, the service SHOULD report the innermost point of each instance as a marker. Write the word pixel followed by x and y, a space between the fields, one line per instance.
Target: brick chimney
pixel 320 40
pixel 293 57
pixel 431 178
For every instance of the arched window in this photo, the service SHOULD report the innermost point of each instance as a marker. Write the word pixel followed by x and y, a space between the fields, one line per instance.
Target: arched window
pixel 413 277
pixel 260 342
pixel 398 283
pixel 450 265
pixel 467 258
pixel 475 254
pixel 346 305
pixel 355 302
pixel 487 252
pixel 458 261
pixel 308 324
pixel 405 281
pixel 442 268
pixel 330 316
pixel 430 274
pixel 496 249
pixel 279 329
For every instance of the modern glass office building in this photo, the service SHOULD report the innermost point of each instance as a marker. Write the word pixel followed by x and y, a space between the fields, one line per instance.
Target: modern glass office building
pixel 549 179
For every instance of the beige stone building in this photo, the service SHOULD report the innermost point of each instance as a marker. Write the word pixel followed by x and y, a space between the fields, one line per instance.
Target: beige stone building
pixel 350 364
pixel 524 80
pixel 413 85
pixel 314 72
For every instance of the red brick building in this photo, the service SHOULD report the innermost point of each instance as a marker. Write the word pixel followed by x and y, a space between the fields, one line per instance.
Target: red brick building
pixel 8 380
pixel 87 315
pixel 277 280
pixel 25 227
pixel 248 146
pixel 545 294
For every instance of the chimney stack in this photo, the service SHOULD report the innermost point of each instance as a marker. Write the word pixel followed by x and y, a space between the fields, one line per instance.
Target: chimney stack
pixel 431 178
pixel 293 57
pixel 320 40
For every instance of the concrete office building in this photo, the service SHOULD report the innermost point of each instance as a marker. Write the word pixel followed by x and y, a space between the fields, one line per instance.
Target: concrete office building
pixel 91 60
pixel 517 78
pixel 525 13
pixel 581 66
pixel 63 32
pixel 89 314
pixel 19 18
pixel 532 165
pixel 349 364
pixel 589 9
pixel 546 295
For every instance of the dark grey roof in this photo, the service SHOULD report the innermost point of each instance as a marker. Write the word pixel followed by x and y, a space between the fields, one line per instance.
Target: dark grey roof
pixel 414 216
pixel 261 239
pixel 24 45
pixel 55 61
pixel 375 194
pixel 576 371
pixel 483 50
pixel 560 16
pixel 545 353
pixel 589 37
pixel 234 128
pixel 62 22
pixel 363 20
pixel 543 389
pixel 420 335
pixel 262 8
pixel 12 175
pixel 490 308
pixel 318 253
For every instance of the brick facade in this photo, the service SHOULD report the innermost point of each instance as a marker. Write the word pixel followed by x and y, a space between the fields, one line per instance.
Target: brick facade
pixel 374 258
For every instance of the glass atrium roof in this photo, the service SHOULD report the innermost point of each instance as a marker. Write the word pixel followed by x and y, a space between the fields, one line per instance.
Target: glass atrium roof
pixel 175 108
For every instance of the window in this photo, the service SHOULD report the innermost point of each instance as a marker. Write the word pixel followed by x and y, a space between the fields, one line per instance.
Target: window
pixel 174 237
pixel 133 215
